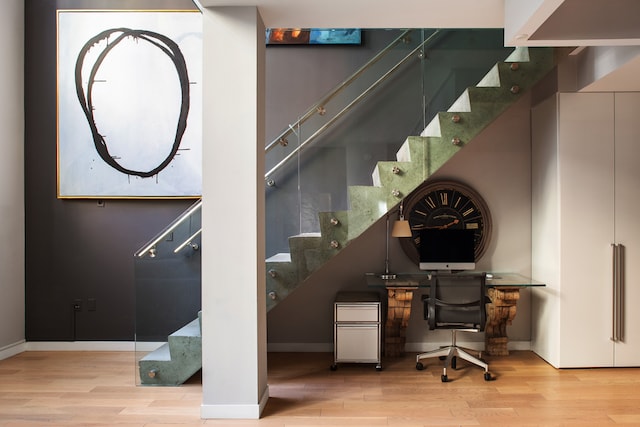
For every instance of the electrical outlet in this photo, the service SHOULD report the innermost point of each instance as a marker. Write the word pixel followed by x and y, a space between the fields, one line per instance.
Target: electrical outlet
pixel 77 305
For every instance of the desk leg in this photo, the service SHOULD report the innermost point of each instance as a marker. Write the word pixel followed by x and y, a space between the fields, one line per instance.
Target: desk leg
pixel 500 313
pixel 398 312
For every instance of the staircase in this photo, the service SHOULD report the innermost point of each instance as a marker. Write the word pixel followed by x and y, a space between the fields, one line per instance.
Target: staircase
pixel 417 159
pixel 175 361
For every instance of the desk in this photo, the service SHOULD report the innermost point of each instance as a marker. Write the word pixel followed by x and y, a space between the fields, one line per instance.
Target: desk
pixel 503 289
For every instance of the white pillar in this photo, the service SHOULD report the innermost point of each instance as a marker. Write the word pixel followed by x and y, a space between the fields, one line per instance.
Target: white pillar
pixel 234 374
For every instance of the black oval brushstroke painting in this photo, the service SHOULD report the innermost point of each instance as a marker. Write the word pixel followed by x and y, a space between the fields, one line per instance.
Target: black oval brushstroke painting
pixel 168 47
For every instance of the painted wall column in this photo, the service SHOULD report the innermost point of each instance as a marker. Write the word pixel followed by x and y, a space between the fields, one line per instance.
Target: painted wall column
pixel 12 227
pixel 233 262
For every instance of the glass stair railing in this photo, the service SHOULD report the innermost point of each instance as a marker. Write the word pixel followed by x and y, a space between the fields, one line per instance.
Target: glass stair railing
pixel 325 113
pixel 168 302
pixel 338 141
pixel 442 95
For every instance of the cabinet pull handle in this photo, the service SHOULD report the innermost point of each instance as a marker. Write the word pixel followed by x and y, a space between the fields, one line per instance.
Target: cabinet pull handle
pixel 621 286
pixel 614 283
pixel 618 293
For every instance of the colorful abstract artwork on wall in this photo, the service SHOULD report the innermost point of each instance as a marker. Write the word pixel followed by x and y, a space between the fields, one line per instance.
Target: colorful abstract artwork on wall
pixel 313 36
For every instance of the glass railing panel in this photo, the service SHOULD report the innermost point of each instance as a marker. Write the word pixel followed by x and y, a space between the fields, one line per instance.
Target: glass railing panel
pixel 353 90
pixel 346 153
pixel 459 61
pixel 167 273
pixel 313 175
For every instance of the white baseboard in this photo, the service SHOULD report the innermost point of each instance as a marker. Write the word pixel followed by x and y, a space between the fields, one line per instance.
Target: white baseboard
pixel 12 349
pixel 250 412
pixel 417 347
pixel 20 346
pixel 84 346
pixel 295 347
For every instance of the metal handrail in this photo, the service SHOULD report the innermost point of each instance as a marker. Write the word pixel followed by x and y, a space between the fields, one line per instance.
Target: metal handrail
pixel 338 89
pixel 314 109
pixel 182 218
pixel 188 242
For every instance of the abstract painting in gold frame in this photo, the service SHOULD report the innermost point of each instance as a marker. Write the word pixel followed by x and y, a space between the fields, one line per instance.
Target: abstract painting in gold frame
pixel 129 104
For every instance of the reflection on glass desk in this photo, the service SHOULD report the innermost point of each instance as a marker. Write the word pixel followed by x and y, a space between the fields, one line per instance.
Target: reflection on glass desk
pixel 422 280
pixel 503 290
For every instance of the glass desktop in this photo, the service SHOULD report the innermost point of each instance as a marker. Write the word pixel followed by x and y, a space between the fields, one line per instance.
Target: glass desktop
pixel 423 279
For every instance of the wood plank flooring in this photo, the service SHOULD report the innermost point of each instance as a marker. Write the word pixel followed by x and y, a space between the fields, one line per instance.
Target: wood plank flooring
pixel 99 389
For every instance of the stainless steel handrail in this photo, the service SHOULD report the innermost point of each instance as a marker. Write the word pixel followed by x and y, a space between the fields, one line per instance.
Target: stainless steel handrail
pixel 188 242
pixel 345 109
pixel 182 218
pixel 314 109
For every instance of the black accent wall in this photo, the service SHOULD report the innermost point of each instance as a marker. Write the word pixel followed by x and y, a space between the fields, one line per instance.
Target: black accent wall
pixel 76 249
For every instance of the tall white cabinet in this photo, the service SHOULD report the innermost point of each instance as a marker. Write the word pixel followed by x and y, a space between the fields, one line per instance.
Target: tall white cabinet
pixel 585 198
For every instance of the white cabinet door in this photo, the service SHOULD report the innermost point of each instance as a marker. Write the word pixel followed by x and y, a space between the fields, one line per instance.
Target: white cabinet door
pixel 627 220
pixel 586 193
pixel 586 197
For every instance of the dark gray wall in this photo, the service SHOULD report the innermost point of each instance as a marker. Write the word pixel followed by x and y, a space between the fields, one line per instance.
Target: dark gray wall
pixel 76 249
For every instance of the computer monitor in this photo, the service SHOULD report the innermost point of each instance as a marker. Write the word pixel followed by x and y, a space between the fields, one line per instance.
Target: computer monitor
pixel 447 249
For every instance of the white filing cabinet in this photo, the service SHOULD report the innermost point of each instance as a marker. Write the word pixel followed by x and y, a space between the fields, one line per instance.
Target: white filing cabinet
pixel 357 329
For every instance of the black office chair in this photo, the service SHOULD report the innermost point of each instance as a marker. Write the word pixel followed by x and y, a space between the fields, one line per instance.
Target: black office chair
pixel 455 302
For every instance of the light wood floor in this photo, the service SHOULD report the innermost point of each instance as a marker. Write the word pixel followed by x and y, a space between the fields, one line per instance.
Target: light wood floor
pixel 98 389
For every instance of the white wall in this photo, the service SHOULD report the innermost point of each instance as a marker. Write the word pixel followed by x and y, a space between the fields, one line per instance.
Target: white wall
pixel 12 178
pixel 609 69
pixel 524 16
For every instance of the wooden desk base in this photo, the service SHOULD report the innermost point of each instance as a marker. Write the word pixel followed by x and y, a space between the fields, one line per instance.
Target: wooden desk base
pixel 398 312
pixel 500 313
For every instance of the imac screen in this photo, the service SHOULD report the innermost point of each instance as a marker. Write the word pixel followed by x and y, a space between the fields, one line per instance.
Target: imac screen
pixel 447 249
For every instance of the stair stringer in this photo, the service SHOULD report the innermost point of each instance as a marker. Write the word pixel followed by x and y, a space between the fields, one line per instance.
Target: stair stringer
pixel 417 159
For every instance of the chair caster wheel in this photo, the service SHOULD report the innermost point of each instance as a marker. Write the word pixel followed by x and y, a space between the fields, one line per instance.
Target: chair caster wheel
pixel 333 367
pixel 379 368
pixel 454 362
pixel 419 366
pixel 444 378
pixel 487 376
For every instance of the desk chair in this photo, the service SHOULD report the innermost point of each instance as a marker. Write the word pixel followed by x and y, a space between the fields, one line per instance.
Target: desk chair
pixel 455 302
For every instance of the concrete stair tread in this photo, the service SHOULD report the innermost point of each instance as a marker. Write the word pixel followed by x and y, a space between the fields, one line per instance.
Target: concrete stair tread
pixel 191 329
pixel 281 257
pixel 161 354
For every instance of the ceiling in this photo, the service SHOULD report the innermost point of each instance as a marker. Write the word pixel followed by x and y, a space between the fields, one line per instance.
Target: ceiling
pixel 571 23
pixel 373 13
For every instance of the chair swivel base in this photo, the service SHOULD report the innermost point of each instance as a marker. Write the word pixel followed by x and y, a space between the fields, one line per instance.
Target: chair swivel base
pixel 450 353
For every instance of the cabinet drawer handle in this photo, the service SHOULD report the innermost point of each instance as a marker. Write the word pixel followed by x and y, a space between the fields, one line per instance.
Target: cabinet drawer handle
pixel 618 296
